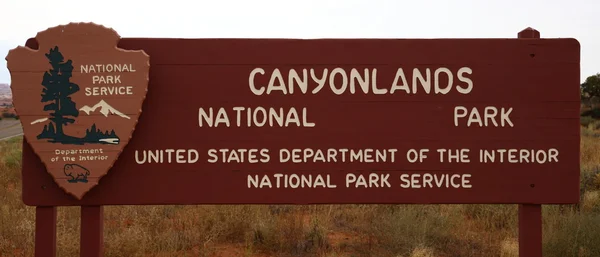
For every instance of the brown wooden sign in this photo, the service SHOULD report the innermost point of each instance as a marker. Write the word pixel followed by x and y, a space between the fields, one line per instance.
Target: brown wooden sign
pixel 278 121
pixel 79 98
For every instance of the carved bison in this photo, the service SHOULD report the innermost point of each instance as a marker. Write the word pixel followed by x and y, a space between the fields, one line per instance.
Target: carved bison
pixel 76 172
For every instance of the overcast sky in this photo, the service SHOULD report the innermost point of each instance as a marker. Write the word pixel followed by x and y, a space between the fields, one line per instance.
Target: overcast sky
pixel 578 19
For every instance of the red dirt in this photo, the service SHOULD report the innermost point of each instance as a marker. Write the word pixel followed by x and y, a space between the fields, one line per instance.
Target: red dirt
pixel 7 109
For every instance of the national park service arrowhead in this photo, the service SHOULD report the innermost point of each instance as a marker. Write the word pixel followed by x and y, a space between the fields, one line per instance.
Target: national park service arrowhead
pixel 79 98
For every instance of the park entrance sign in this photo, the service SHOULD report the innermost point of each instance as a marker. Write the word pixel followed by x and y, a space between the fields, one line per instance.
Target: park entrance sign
pixel 284 121
pixel 280 121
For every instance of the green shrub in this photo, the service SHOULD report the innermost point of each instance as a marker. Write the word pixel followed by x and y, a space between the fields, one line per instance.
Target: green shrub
pixel 586 120
pixel 590 180
pixel 594 113
pixel 8 115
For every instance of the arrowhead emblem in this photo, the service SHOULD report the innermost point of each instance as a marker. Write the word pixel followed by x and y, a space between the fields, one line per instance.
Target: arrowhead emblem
pixel 79 97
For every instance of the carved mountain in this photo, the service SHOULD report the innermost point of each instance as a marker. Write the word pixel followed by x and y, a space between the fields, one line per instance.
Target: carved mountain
pixel 104 108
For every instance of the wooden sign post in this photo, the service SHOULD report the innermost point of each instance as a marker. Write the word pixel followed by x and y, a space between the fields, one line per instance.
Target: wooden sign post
pixel 530 215
pixel 325 121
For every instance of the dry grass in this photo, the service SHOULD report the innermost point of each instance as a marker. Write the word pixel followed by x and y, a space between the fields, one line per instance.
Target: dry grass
pixel 323 230
pixel 422 251
pixel 509 248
